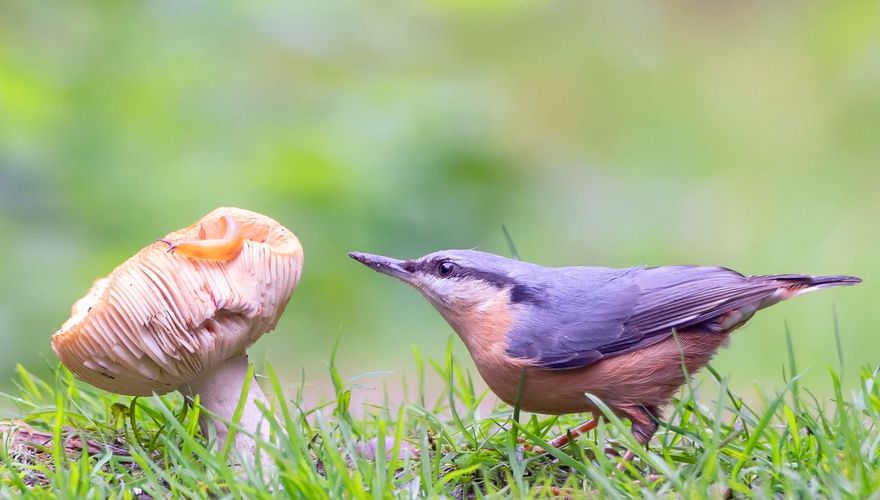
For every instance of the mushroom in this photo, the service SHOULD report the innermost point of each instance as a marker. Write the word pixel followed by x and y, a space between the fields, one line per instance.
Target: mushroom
pixel 181 312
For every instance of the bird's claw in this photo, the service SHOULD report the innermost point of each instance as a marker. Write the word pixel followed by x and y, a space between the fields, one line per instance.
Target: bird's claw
pixel 626 460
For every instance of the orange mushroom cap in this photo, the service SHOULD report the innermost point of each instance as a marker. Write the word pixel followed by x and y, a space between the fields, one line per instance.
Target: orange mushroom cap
pixel 160 320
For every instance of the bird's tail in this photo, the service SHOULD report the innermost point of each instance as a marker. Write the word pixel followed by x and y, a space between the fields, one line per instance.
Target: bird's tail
pixel 798 284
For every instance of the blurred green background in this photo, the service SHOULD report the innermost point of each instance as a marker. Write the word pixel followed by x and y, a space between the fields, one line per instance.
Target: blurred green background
pixel 743 134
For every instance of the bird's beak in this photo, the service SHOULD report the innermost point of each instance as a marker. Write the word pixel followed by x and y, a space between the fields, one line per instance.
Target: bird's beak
pixel 385 265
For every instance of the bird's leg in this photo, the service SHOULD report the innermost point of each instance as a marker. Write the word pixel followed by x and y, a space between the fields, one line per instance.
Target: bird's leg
pixel 575 433
pixel 644 425
pixel 220 249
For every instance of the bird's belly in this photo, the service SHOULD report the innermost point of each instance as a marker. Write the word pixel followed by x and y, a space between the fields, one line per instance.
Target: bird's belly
pixel 645 377
pixel 546 391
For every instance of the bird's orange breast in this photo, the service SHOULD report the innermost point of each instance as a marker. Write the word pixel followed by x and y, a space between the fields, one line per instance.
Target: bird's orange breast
pixel 483 329
pixel 647 376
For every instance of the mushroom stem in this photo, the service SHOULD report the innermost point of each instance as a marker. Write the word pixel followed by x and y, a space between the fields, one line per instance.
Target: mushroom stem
pixel 219 391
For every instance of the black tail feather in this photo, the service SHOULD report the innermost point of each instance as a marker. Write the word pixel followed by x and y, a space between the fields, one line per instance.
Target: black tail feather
pixel 808 281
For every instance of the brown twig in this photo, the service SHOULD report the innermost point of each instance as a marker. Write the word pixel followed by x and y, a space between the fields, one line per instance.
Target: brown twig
pixel 19 433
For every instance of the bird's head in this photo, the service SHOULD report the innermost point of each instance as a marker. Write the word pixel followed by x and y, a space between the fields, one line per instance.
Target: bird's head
pixel 458 280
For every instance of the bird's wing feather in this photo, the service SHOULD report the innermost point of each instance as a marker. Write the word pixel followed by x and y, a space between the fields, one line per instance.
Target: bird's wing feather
pixel 600 312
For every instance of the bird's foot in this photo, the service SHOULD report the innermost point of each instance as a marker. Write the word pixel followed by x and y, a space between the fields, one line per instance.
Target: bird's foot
pixel 571 435
pixel 626 460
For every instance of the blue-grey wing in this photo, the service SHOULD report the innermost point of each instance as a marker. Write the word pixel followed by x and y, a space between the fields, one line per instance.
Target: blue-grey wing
pixel 585 314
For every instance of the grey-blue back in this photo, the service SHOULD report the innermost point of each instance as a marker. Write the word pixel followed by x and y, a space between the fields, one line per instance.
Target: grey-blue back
pixel 575 316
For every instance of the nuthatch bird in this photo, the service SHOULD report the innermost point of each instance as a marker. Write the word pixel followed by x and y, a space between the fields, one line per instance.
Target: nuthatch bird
pixel 576 330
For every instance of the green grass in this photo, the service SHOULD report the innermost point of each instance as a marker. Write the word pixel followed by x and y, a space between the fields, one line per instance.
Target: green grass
pixel 789 443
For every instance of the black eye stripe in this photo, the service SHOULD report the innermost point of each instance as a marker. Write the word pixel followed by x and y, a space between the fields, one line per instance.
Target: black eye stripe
pixel 461 271
pixel 499 280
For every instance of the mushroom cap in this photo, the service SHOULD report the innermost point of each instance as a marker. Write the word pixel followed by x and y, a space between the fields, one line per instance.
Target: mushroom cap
pixel 160 320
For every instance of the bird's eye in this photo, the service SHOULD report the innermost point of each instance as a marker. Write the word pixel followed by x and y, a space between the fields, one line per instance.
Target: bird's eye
pixel 445 268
